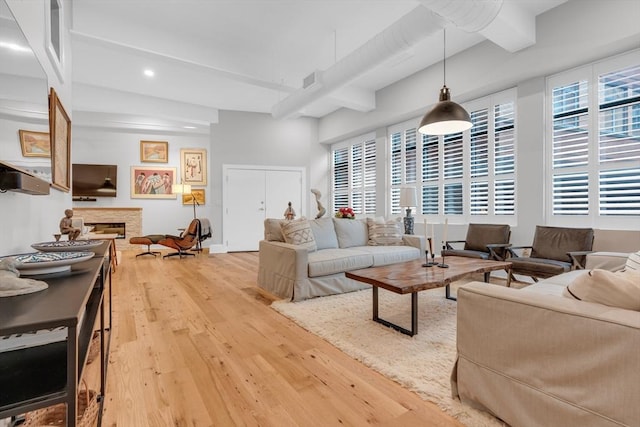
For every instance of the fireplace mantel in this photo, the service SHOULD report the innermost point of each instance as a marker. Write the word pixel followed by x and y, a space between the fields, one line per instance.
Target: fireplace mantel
pixel 132 217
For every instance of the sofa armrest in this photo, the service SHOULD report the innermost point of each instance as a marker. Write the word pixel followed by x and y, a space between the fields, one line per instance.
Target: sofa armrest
pixel 280 265
pixel 414 240
pixel 520 351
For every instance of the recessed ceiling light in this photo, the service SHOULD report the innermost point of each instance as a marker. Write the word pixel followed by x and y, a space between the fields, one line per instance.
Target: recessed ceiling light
pixel 189 127
pixel 149 73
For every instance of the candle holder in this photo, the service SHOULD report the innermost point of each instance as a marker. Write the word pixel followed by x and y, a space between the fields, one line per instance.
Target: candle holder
pixel 442 264
pixel 429 263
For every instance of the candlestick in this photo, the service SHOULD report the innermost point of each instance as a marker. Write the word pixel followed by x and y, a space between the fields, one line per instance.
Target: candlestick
pixel 445 231
pixel 442 264
pixel 429 263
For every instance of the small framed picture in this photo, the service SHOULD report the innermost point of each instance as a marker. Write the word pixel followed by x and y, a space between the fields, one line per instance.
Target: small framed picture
pixel 154 151
pixel 193 166
pixel 197 194
pixel 35 144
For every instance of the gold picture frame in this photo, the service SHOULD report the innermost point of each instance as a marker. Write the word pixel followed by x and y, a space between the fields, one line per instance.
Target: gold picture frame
pixel 196 193
pixel 193 166
pixel 35 144
pixel 154 151
pixel 60 130
pixel 152 182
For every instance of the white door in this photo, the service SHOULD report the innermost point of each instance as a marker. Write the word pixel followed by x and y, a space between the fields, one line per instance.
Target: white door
pixel 244 213
pixel 253 195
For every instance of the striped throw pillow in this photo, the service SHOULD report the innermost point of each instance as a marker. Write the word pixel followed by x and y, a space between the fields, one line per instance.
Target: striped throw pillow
pixel 385 233
pixel 633 262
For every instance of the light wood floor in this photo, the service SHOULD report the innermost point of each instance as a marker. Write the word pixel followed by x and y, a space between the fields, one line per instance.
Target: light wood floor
pixel 194 343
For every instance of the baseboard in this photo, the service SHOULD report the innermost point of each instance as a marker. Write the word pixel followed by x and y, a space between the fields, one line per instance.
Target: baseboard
pixel 217 249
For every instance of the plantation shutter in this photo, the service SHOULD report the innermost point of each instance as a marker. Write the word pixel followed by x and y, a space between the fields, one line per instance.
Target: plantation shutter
pixel 479 163
pixel 370 177
pixel 504 194
pixel 430 170
pixel 341 178
pixel 354 176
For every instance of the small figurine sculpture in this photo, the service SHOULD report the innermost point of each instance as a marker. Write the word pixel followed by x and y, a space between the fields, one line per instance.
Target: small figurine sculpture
pixel 289 213
pixel 321 209
pixel 66 226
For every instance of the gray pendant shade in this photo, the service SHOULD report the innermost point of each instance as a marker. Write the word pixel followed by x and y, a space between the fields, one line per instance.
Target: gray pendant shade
pixel 445 117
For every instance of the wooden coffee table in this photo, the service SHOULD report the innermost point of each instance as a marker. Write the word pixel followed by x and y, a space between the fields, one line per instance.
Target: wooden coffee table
pixel 411 277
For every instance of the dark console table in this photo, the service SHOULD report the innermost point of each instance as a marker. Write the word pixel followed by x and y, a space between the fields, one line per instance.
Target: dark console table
pixel 44 375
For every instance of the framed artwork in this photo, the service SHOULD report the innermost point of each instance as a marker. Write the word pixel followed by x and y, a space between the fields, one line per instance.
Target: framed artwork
pixel 197 194
pixel 60 129
pixel 193 166
pixel 152 182
pixel 154 151
pixel 35 144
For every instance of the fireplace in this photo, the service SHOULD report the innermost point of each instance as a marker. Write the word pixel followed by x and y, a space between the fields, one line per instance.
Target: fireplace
pixel 118 228
pixel 130 219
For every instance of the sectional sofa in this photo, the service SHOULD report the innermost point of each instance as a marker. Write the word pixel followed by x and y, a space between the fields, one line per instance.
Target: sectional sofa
pixel 318 253
pixel 538 356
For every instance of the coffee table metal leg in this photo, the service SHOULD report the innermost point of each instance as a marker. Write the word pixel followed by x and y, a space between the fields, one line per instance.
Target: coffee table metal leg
pixel 414 314
pixel 447 293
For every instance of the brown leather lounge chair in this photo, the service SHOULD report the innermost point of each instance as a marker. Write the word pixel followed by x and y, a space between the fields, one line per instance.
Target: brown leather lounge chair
pixel 183 243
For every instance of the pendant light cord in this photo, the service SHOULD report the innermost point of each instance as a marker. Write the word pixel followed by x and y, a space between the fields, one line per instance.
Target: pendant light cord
pixel 444 56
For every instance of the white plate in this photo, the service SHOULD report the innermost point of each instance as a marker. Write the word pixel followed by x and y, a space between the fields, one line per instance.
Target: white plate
pixel 67 245
pixel 49 262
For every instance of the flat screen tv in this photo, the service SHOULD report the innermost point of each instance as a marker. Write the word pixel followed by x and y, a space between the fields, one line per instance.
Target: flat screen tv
pixel 90 181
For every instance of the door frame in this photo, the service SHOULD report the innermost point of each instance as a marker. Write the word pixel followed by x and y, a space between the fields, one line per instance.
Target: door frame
pixel 225 211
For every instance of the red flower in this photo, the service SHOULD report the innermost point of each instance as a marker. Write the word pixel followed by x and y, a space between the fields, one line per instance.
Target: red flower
pixel 346 213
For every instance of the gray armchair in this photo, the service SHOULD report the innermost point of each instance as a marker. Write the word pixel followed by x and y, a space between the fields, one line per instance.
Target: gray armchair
pixel 555 250
pixel 483 241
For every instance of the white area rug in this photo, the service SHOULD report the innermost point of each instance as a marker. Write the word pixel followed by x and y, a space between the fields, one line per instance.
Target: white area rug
pixel 421 363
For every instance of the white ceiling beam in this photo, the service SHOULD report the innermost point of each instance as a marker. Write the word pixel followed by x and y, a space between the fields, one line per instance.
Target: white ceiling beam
pixel 513 29
pixel 355 98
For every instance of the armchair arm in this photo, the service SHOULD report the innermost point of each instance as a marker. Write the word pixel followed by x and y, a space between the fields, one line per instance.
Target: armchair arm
pixel 512 250
pixel 281 266
pixel 578 259
pixel 494 249
pixel 448 246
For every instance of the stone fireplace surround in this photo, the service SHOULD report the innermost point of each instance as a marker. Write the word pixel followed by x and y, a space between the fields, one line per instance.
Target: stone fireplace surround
pixel 132 217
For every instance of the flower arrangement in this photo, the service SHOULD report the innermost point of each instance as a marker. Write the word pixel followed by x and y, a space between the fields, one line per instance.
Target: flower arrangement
pixel 347 213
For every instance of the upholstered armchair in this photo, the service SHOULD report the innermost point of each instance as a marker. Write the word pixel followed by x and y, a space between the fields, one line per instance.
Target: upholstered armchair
pixel 483 241
pixel 555 250
pixel 188 239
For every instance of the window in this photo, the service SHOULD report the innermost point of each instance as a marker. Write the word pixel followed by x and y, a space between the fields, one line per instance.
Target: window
pixel 468 174
pixel 595 143
pixel 354 175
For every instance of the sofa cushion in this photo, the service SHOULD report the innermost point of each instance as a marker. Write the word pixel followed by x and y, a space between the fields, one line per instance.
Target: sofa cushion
pixel 273 230
pixel 539 267
pixel 324 232
pixel 616 289
pixel 633 262
pixel 350 232
pixel 331 261
pixel 298 232
pixel 385 233
pixel 385 255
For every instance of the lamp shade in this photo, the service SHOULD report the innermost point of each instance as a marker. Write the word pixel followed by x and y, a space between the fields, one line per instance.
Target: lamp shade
pixel 181 189
pixel 408 197
pixel 446 117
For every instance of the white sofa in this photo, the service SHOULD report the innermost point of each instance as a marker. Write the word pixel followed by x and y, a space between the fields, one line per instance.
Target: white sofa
pixel 293 272
pixel 534 357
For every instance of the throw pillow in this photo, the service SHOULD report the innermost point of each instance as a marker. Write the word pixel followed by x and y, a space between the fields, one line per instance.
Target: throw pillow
pixel 384 233
pixel 633 262
pixel 298 232
pixel 324 232
pixel 616 289
pixel 273 230
pixel 350 232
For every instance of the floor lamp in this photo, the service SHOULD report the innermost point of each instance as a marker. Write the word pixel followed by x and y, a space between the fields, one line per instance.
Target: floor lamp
pixel 186 189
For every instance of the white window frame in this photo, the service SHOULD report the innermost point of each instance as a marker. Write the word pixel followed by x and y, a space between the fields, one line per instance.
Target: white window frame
pixel 349 144
pixel 488 102
pixel 591 73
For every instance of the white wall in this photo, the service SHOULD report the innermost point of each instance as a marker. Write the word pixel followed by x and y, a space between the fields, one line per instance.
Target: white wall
pixel 242 138
pixel 122 148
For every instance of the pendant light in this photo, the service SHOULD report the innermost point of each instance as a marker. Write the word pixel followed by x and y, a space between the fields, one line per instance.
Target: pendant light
pixel 446 116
